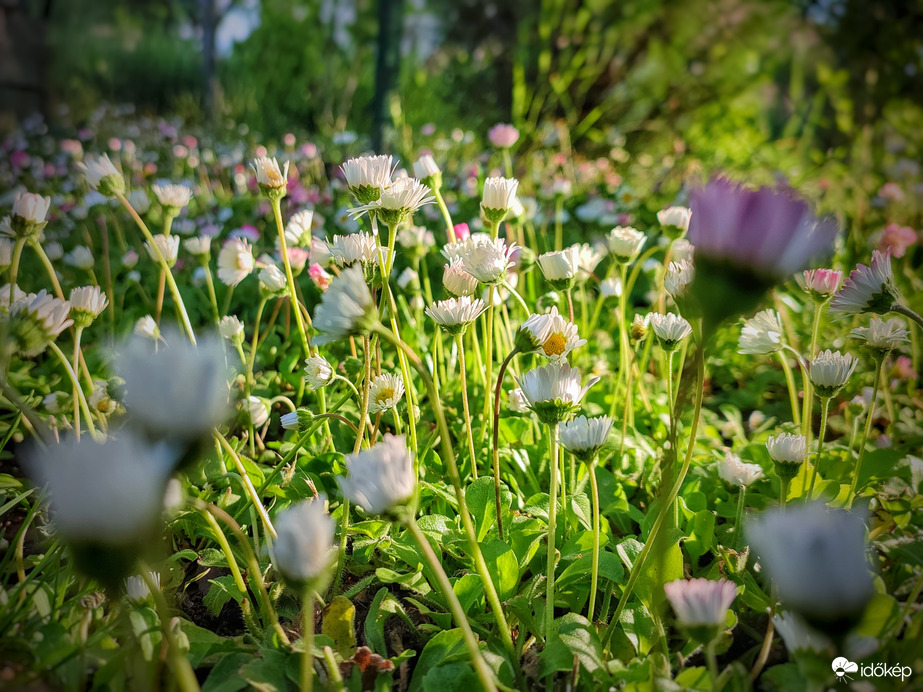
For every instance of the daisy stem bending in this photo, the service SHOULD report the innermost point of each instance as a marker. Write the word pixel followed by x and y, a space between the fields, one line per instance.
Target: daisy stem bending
pixel 464 393
pixel 824 407
pixel 792 390
pixel 496 436
pixel 879 367
pixel 739 516
pixel 907 312
pixel 307 641
pixel 49 267
pixel 570 304
pixel 485 676
pixel 552 521
pixel 666 507
pixel 448 454
pixel 248 484
pixel 212 296
pixel 289 277
pixel 81 399
pixel 236 575
pixel 518 297
pixel 167 227
pixel 251 361
pixel 171 282
pixel 182 669
pixel 594 568
pixel 446 216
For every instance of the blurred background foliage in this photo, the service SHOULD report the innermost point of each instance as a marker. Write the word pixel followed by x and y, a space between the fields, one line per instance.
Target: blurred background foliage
pixel 811 88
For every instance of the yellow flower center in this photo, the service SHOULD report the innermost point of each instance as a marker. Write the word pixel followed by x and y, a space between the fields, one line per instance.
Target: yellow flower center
pixel 383 396
pixel 554 344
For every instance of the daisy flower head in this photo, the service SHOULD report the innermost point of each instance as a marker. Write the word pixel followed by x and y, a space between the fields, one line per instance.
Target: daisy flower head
pixel 271 178
pixel 488 260
pixel 674 221
pixel 28 217
pixel 787 452
pixel 381 479
pixel 497 198
pixel 736 472
pixel 553 391
pixel 517 401
pixel 346 308
pixel 819 284
pixel 298 229
pixel 678 278
pixel 456 280
pixel 164 246
pixel 761 334
pixel 272 280
pixel 367 176
pixel 304 548
pixel 868 289
pixel 35 321
pixel 503 135
pixel 397 202
pixel 701 605
pixel 199 247
pixel 589 258
pixel 318 372
pixel 148 328
pixel 231 328
pixel 670 329
pixel 625 243
pixel 86 304
pixel 425 169
pixel 560 268
pixel 584 437
pixel 172 197
pixel 830 371
pixel 882 336
pixel 346 250
pixel 102 175
pixel 385 392
pixel 299 419
pixel 455 314
pixel 549 334
pixel 235 261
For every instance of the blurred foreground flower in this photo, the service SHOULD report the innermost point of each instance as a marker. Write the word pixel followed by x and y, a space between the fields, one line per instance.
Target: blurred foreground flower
pixel 381 479
pixel 701 605
pixel 304 547
pixel 346 308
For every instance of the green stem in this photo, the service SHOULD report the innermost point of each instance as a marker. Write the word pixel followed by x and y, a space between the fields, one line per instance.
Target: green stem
pixel 594 573
pixel 174 289
pixel 824 407
pixel 552 520
pixel 496 437
pixel 468 426
pixel 488 350
pixel 251 361
pixel 81 399
pixel 458 614
pixel 14 267
pixel 712 664
pixel 212 296
pixel 307 634
pixel 518 297
pixel 182 669
pixel 792 391
pixel 739 516
pixel 907 312
pixel 865 433
pixel 248 484
pixel 290 279
pixel 783 491
pixel 449 226
pixel 49 267
pixel 232 563
pixel 667 505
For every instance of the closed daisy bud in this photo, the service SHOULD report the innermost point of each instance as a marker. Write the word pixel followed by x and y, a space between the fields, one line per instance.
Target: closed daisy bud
pixel 28 217
pixel 172 197
pixel 136 589
pixel 425 169
pixel 678 278
pixel 319 276
pixel 35 321
pixel 255 410
pixel 868 289
pixel 701 605
pixel 498 197
pixel 554 391
pixel 787 452
pixel 816 558
pixel 584 437
pixel 103 176
pixel 670 329
pixel 639 328
pixel 560 268
pixel 761 334
pixel 829 372
pixel 232 329
pixel 176 393
pixel 736 472
pixel 198 246
pixel 298 229
pixel 106 499
pixel 455 314
pixel 165 246
pixel 235 261
pixel 674 221
pixel 381 479
pixel 86 304
pixel 456 280
pixel 819 284
pixel 549 334
pixel 300 420
pixel 366 176
pixel 488 260
pixel 610 288
pixel 80 257
pixel 625 243
pixel 303 549
pixel 147 327
pixel 318 372
pixel 385 392
pixel 346 309
pixel 271 179
pixel 272 280
pixel 882 336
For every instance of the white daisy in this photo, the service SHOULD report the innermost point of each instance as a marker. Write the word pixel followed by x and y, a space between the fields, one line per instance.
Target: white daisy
pixel 761 334
pixel 868 289
pixel 385 392
pixel 235 261
pixel 454 314
pixel 303 549
pixel 381 478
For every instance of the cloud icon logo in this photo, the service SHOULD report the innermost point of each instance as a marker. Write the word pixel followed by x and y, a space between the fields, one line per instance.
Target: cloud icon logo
pixel 842 666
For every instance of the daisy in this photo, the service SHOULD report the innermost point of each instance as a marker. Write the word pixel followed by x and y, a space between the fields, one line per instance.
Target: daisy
pixel 670 329
pixel 787 452
pixel 304 548
pixel 736 472
pixel 102 175
pixel 701 602
pixel 549 334
pixel 346 307
pixel 868 289
pixel 381 478
pixel 497 198
pixel 674 221
pixel 367 176
pixel 455 314
pixel 232 329
pixel 173 197
pixel 35 321
pixel 86 304
pixel 488 260
pixel 560 268
pixel 298 229
pixel 271 178
pixel 584 437
pixel 318 372
pixel 385 392
pixel 881 335
pixel 819 284
pixel 235 261
pixel 456 280
pixel 625 243
pixel 165 246
pixel 761 334
pixel 554 391
pixel 830 370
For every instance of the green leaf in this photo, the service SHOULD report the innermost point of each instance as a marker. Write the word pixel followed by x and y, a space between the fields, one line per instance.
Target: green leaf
pixel 455 677
pixel 696 678
pixel 470 591
pixel 447 646
pixel 658 569
pixel 701 535
pixel 267 673
pixel 383 606
pixel 337 623
pixel 223 589
pixel 638 626
pixel 481 499
pixel 573 636
pixel 503 567
pixel 580 505
pixel 783 678
pixel 414 581
pixel 225 676
pixel 146 627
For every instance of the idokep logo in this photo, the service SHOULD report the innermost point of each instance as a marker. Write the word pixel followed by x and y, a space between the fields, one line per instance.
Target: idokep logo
pixel 843 667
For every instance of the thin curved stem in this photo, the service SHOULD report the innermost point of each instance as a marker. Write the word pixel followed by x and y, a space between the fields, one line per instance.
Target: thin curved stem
pixel 594 570
pixel 467 412
pixel 81 399
pixel 485 676
pixel 790 384
pixel 49 267
pixel 307 633
pixel 907 312
pixel 182 669
pixel 289 278
pixel 824 408
pixel 496 437
pixel 865 433
pixel 739 516
pixel 516 295
pixel 248 484
pixel 446 216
